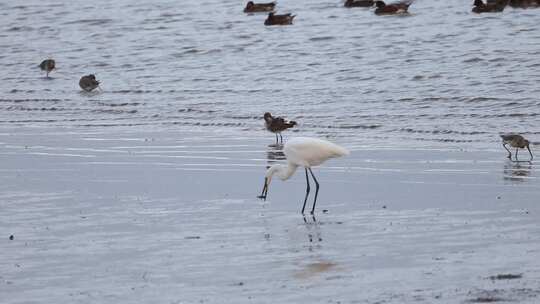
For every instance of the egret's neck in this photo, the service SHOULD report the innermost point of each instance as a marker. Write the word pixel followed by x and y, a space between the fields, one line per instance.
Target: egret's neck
pixel 283 172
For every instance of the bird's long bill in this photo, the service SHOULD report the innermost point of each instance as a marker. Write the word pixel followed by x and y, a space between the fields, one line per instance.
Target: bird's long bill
pixel 264 190
pixel 530 152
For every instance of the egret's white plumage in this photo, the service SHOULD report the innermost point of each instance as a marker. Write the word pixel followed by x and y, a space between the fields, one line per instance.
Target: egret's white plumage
pixel 305 152
pixel 310 152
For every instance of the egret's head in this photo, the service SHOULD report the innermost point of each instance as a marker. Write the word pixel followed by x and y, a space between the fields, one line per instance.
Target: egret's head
pixel 380 4
pixel 250 4
pixel 478 3
pixel 267 180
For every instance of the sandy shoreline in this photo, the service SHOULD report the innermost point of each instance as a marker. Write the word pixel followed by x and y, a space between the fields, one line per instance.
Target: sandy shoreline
pixel 173 218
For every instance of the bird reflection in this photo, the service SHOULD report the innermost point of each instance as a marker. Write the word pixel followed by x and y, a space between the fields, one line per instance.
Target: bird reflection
pixel 313 232
pixel 274 154
pixel 517 171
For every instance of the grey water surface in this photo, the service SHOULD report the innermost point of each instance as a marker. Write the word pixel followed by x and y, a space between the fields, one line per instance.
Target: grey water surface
pixel 441 74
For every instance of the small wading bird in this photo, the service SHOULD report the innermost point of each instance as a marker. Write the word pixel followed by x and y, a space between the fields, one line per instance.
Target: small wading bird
pixel 88 83
pixel 277 124
pixel 359 3
pixel 305 152
pixel 259 7
pixel 401 7
pixel 47 65
pixel 490 7
pixel 274 19
pixel 515 141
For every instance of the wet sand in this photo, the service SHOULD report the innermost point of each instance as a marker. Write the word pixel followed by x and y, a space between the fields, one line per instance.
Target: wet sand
pixel 172 217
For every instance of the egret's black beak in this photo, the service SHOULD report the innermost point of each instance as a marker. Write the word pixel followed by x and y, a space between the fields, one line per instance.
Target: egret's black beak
pixel 530 152
pixel 264 190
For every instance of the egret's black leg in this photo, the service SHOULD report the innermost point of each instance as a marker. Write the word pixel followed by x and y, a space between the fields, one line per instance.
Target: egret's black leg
pixel 316 190
pixel 307 192
pixel 509 153
pixel 277 142
pixel 264 191
pixel 516 153
pixel 530 152
pixel 281 137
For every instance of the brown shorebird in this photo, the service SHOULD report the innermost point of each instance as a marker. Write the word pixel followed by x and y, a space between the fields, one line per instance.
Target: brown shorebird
pixel 515 141
pixel 359 3
pixel 274 19
pixel 489 7
pixel 259 7
pixel 88 82
pixel 400 7
pixel 277 124
pixel 47 65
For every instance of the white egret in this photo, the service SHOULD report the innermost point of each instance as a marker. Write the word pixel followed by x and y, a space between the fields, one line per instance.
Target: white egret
pixel 305 152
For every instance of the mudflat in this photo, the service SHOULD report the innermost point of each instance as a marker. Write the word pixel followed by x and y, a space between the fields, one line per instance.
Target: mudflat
pixel 169 217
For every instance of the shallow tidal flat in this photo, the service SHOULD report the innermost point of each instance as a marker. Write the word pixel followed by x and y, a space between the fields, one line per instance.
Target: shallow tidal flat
pixel 170 217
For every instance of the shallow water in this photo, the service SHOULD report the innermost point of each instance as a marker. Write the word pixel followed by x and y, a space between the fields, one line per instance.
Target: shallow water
pixel 147 191
pixel 441 74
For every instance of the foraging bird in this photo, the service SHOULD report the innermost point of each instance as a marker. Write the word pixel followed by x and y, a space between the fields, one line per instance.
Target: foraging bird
pixel 359 3
pixel 306 152
pixel 274 19
pixel 47 65
pixel 401 7
pixel 88 82
pixel 489 7
pixel 259 7
pixel 277 124
pixel 516 141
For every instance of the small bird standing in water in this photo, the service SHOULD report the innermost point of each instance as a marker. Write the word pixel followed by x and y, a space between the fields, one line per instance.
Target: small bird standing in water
pixel 88 82
pixel 515 141
pixel 47 65
pixel 305 152
pixel 274 19
pixel 277 125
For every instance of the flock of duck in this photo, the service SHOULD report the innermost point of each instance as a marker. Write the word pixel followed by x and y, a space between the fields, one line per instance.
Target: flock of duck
pixel 399 7
pixel 308 152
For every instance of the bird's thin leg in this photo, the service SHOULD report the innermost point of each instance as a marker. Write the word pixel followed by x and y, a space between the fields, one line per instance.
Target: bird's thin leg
pixel 530 153
pixel 281 137
pixel 277 142
pixel 316 190
pixel 307 192
pixel 516 153
pixel 264 191
pixel 509 153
